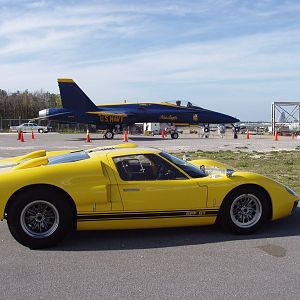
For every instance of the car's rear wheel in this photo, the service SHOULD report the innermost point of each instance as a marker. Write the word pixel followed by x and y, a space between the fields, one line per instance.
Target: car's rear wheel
pixel 39 219
pixel 245 210
pixel 40 130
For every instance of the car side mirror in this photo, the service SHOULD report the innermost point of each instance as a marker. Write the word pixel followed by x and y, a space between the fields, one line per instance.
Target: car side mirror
pixel 229 172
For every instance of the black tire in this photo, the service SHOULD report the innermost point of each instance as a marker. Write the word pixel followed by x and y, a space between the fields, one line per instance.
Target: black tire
pixel 109 135
pixel 40 130
pixel 32 211
pixel 244 210
pixel 174 135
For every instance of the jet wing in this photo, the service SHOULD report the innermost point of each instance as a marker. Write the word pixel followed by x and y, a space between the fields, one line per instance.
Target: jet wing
pixel 111 117
pixel 106 113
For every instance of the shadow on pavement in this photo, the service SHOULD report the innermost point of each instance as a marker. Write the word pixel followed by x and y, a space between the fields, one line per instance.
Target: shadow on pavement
pixel 136 138
pixel 159 138
pixel 119 138
pixel 146 138
pixel 161 238
pixel 83 139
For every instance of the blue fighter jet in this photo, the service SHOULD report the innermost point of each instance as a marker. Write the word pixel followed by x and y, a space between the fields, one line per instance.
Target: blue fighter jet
pixel 78 108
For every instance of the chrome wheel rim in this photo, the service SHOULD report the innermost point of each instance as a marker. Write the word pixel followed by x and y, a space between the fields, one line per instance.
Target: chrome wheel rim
pixel 39 219
pixel 245 210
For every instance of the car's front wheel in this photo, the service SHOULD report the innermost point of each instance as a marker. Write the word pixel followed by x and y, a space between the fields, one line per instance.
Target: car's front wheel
pixel 39 219
pixel 245 210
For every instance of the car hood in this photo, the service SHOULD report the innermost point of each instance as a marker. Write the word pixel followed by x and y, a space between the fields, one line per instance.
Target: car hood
pixel 213 168
pixel 210 163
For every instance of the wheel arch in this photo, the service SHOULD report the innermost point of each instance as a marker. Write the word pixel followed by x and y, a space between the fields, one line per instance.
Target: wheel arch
pixel 250 186
pixel 50 188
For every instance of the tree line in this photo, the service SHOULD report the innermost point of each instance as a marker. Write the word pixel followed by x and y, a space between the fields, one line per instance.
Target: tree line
pixel 26 105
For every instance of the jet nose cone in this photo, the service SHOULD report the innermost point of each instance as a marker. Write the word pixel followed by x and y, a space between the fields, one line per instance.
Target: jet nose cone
pixel 43 113
pixel 234 120
pixel 227 119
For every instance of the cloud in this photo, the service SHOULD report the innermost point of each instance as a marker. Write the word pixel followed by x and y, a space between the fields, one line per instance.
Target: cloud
pixel 46 27
pixel 252 57
pixel 29 26
pixel 248 58
pixel 153 50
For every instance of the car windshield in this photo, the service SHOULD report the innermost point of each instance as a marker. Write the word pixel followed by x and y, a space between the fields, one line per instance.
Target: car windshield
pixel 68 157
pixel 188 168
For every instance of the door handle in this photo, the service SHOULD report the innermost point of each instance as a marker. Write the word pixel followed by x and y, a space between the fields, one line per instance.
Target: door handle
pixel 131 190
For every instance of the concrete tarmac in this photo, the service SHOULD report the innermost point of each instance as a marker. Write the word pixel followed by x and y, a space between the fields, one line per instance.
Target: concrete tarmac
pixel 10 146
pixel 182 263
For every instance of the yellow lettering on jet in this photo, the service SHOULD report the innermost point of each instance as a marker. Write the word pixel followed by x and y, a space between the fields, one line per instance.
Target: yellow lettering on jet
pixel 111 118
pixel 168 117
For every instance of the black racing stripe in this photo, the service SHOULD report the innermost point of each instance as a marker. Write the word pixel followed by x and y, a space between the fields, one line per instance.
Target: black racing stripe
pixel 150 214
pixel 146 215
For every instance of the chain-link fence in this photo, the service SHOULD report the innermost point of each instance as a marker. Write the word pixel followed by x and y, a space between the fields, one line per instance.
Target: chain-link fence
pixel 7 125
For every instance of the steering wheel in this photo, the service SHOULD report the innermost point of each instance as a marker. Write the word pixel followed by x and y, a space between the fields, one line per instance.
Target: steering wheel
pixel 164 173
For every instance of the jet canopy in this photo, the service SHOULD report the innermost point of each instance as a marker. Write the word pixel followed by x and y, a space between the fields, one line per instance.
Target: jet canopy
pixel 182 103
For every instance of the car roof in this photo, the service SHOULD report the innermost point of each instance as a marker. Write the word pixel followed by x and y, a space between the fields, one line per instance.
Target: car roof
pixel 121 149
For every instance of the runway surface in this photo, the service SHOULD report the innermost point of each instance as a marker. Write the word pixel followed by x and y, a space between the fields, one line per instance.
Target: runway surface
pixel 10 146
pixel 185 263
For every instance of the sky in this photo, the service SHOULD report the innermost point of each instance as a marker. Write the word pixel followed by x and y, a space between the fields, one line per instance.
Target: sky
pixel 232 56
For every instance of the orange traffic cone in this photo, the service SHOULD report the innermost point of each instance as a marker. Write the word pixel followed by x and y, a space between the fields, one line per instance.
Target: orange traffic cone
pixel 88 138
pixel 19 135
pixel 248 135
pixel 276 135
pixel 163 134
pixel 125 136
pixel 32 135
pixel 22 139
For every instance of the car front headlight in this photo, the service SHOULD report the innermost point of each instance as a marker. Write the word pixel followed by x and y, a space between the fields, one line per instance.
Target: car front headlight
pixel 290 191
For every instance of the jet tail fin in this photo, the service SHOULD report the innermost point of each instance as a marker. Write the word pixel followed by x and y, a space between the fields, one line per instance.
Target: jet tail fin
pixel 73 98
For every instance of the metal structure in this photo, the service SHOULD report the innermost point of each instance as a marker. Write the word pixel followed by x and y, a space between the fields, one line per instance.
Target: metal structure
pixel 285 117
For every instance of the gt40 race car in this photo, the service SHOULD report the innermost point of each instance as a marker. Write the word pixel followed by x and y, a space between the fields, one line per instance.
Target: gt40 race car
pixel 44 195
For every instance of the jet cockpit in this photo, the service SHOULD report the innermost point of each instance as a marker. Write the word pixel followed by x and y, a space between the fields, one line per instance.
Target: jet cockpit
pixel 183 103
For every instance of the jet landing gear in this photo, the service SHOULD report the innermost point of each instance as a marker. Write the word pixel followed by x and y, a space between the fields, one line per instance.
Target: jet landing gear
pixel 205 131
pixel 174 135
pixel 109 134
pixel 173 132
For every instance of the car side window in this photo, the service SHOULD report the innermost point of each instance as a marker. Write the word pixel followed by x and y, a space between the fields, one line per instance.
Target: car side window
pixel 146 167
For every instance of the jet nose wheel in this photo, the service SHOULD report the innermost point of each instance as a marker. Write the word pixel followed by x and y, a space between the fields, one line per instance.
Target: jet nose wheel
pixel 109 135
pixel 174 135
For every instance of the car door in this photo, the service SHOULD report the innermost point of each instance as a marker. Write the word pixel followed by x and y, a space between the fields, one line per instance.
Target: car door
pixel 34 127
pixel 149 183
pixel 30 127
pixel 24 127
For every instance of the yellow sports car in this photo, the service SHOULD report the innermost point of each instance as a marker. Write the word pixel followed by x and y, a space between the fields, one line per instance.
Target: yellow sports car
pixel 44 195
